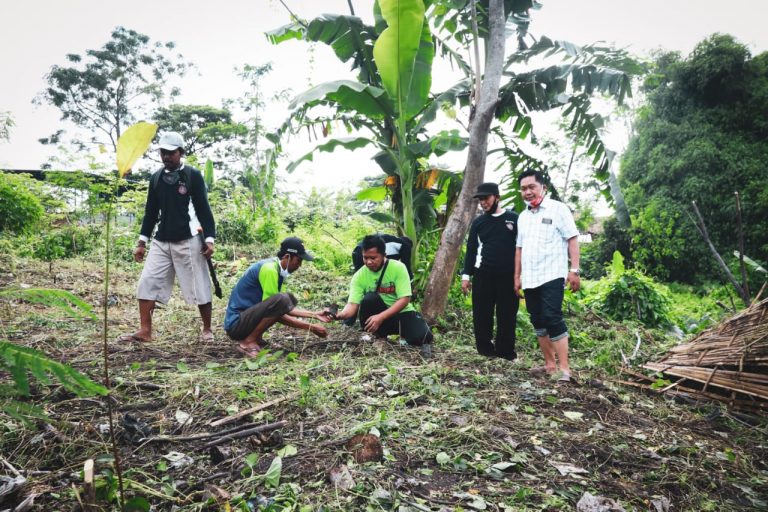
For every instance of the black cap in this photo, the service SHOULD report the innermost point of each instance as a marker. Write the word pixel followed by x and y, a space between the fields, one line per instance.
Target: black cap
pixel 294 245
pixel 487 189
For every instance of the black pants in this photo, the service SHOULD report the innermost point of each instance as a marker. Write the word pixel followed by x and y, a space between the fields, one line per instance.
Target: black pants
pixel 493 294
pixel 545 305
pixel 409 325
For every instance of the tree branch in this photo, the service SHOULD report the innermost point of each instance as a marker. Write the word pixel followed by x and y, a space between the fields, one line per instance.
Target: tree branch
pixel 703 232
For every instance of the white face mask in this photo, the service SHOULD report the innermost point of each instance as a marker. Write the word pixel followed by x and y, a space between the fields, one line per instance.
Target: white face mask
pixel 283 271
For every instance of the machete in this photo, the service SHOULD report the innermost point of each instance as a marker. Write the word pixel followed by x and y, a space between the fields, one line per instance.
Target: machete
pixel 211 270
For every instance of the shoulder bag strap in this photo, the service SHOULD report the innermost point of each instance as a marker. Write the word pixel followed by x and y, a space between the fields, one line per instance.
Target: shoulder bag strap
pixel 381 277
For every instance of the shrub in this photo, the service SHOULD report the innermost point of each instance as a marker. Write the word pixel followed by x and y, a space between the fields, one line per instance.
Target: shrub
pixel 20 208
pixel 66 242
pixel 627 294
pixel 234 229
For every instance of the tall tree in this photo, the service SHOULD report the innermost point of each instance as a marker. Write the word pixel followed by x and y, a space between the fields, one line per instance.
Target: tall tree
pixel 486 99
pixel 256 155
pixel 700 138
pixel 110 88
pixel 202 126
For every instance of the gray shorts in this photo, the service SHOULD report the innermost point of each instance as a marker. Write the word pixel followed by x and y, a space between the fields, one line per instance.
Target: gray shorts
pixel 167 260
pixel 276 306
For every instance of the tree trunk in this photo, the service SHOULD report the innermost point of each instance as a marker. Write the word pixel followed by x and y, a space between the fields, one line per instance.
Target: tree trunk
pixel 444 266
pixel 622 213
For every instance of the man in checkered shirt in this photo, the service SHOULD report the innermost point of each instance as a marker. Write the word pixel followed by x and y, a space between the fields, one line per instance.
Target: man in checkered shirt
pixel 546 239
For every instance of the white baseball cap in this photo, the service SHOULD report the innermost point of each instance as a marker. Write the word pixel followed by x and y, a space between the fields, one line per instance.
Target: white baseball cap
pixel 171 141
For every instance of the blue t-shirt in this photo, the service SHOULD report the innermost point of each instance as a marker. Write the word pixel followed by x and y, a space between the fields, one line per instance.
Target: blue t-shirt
pixel 260 281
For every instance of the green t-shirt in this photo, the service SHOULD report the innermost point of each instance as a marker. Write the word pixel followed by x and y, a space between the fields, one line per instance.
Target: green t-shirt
pixel 269 279
pixel 395 285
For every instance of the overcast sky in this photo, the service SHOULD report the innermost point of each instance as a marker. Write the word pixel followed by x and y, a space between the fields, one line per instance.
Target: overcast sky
pixel 218 36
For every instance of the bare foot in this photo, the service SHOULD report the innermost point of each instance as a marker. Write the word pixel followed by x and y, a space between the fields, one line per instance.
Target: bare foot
pixel 249 350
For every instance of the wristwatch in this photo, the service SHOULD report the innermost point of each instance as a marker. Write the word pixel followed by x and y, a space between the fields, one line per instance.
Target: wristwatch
pixel 575 271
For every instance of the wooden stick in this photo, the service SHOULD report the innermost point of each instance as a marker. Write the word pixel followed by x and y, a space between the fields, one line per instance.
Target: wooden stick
pixel 195 437
pixel 744 282
pixel 246 433
pixel 88 485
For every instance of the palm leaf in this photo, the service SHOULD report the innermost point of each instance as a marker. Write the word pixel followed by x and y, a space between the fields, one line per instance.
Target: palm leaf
pixel 20 360
pixel 61 299
pixel 599 55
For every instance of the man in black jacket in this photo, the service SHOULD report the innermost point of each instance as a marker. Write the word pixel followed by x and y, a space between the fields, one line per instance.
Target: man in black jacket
pixel 490 261
pixel 178 199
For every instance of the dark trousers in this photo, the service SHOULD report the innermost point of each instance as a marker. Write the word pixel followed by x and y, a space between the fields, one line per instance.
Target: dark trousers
pixel 409 325
pixel 545 305
pixel 493 295
pixel 275 306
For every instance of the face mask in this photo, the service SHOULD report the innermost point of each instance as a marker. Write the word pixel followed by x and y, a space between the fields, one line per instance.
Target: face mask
pixel 283 271
pixel 535 203
pixel 493 208
pixel 171 178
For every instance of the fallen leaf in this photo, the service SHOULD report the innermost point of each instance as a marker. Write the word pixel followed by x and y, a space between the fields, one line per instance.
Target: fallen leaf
pixel 573 415
pixel 287 451
pixel 341 477
pixel 184 418
pixel 568 469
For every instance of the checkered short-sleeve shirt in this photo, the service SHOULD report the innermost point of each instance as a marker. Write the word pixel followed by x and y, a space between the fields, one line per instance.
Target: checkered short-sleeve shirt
pixel 543 236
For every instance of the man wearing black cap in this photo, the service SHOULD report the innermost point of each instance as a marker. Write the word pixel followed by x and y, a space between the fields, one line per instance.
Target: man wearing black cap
pixel 257 303
pixel 490 261
pixel 178 201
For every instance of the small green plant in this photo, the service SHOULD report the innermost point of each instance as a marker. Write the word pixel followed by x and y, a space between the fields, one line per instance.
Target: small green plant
pixel 627 294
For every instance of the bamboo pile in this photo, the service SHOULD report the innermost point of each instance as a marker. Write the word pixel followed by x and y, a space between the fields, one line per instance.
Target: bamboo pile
pixel 728 363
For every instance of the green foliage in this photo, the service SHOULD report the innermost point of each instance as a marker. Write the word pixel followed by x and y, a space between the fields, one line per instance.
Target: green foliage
pixel 20 361
pixel 20 208
pixel 657 242
pixel 234 230
pixel 202 126
pixel 6 123
pixel 596 255
pixel 701 138
pixel 627 294
pixel 66 242
pixel 108 88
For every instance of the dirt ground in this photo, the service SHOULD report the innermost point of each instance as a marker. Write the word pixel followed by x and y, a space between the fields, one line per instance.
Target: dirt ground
pixel 457 432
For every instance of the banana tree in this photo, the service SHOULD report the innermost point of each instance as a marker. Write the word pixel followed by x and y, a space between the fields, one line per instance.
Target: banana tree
pixel 390 100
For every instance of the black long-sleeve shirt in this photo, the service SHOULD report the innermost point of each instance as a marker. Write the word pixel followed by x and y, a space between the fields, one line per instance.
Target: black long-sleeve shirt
pixel 491 243
pixel 170 205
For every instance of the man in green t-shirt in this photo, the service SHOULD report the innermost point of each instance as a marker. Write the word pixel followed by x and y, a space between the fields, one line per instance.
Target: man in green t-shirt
pixel 380 292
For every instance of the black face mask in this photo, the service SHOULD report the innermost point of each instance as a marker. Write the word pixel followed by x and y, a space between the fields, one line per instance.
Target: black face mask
pixel 171 178
pixel 493 208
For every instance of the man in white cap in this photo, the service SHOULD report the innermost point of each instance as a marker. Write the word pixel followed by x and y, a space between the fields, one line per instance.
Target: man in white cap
pixel 177 198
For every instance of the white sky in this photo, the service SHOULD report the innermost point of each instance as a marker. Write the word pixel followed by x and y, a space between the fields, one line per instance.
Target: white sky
pixel 217 36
